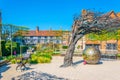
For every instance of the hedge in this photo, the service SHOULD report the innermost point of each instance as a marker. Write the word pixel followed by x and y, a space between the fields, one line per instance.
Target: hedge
pixel 64 47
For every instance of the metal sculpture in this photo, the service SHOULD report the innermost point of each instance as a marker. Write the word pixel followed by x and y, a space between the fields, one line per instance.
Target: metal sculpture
pixel 91 55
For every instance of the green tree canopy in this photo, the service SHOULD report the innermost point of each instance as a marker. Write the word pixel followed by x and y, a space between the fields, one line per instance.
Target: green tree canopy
pixel 113 35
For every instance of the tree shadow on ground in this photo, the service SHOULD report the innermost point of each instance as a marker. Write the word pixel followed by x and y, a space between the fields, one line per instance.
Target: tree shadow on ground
pixel 3 69
pixel 28 68
pixel 24 69
pixel 77 62
pixel 37 76
pixel 100 62
pixel 81 61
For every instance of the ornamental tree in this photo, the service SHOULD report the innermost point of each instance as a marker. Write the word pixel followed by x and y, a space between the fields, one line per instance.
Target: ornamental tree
pixel 89 22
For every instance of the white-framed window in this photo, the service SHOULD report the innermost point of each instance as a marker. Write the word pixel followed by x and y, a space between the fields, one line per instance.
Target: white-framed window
pixel 111 46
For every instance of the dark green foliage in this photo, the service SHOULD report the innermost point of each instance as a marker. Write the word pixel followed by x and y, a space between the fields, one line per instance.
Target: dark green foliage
pixel 3 47
pixel 118 55
pixel 6 47
pixel 64 47
pixel 78 47
pixel 34 47
pixel 24 48
pixel 15 47
pixel 1 58
pixel 9 58
pixel 34 61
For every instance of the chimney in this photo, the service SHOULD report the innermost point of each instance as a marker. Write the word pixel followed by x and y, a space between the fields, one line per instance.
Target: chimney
pixel 37 29
pixel 84 12
pixel 60 28
pixel 50 28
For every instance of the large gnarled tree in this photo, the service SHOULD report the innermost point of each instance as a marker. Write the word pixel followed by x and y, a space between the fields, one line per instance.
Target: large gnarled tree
pixel 90 22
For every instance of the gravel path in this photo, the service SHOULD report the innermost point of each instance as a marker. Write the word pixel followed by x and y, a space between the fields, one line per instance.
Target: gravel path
pixel 106 70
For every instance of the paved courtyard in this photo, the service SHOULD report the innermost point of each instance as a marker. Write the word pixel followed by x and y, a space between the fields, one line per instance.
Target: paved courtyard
pixel 106 70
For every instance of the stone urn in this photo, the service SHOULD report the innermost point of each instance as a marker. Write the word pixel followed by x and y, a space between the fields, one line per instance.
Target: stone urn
pixel 91 55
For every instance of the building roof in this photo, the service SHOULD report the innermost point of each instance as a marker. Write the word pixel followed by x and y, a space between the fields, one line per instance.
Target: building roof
pixel 111 14
pixel 42 33
pixel 118 14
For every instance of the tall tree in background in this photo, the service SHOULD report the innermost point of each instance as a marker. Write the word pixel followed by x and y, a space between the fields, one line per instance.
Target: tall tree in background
pixel 17 31
pixel 13 29
pixel 5 32
pixel 9 31
pixel 22 30
pixel 89 22
pixel 0 33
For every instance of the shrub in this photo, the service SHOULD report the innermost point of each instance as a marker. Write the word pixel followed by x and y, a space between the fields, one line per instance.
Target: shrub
pixel 43 60
pixel 41 57
pixel 33 57
pixel 78 47
pixel 24 48
pixel 118 55
pixel 33 61
pixel 46 55
pixel 13 61
pixel 9 58
pixel 1 58
pixel 64 47
pixel 57 52
pixel 7 48
pixel 3 47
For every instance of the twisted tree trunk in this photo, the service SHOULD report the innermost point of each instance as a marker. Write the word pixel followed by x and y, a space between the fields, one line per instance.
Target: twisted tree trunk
pixel 68 59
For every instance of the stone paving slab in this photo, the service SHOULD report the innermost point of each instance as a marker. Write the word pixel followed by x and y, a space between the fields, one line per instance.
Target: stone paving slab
pixel 106 70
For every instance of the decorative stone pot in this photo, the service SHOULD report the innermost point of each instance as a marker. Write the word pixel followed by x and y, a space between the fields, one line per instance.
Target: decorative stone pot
pixel 91 55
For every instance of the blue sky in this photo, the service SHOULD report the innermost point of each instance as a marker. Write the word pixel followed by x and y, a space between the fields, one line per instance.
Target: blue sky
pixel 50 13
